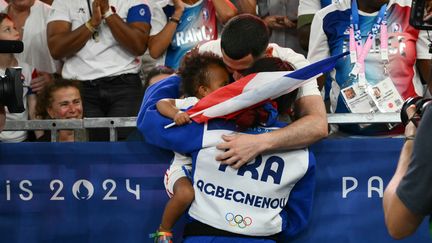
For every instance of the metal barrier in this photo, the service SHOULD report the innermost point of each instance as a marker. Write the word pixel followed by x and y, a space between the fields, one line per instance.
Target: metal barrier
pixel 112 123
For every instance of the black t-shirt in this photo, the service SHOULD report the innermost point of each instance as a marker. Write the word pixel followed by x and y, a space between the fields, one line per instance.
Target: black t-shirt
pixel 415 188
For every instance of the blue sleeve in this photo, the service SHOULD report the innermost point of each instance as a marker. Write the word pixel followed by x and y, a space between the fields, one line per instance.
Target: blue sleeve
pixel 139 13
pixel 182 139
pixel 299 206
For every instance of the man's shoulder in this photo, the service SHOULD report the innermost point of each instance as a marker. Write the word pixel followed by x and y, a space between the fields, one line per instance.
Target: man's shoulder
pixel 288 55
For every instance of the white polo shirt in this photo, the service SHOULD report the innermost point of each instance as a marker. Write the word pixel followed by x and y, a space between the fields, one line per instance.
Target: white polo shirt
pixel 106 57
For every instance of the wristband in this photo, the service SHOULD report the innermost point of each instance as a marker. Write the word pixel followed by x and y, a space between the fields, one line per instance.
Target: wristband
pixel 407 138
pixel 111 10
pixel 174 20
pixel 90 27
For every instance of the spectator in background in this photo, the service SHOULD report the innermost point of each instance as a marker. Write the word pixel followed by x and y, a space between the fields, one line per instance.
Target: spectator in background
pixel 398 58
pixel 101 45
pixel 7 60
pixel 60 100
pixel 245 38
pixel 178 27
pixel 156 74
pixel 281 17
pixel 153 76
pixel 30 18
pixel 306 12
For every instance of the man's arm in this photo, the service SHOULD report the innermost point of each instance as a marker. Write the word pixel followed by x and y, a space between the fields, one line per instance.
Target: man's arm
pixel 309 128
pixel 132 36
pixel 63 42
pixel 400 221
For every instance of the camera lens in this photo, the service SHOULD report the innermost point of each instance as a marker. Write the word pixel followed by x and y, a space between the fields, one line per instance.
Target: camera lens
pixel 11 90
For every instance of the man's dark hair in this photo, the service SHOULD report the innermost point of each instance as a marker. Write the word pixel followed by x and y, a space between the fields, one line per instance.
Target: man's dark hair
pixel 243 35
pixel 194 70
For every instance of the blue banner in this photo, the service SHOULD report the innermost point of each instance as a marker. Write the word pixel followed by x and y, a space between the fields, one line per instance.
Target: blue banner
pixel 113 192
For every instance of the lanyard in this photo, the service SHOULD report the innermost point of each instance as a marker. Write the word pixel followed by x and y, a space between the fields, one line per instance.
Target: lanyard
pixel 89 8
pixel 359 52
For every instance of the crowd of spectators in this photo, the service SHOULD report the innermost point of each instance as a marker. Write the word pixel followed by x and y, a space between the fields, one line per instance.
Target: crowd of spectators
pixel 82 59
pixel 101 44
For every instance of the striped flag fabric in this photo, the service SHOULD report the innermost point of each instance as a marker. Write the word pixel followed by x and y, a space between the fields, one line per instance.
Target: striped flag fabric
pixel 255 89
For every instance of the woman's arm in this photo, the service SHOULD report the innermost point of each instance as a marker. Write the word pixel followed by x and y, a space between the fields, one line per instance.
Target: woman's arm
pixel 160 42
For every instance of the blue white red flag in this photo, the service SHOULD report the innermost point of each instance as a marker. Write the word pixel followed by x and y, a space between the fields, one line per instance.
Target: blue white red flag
pixel 255 89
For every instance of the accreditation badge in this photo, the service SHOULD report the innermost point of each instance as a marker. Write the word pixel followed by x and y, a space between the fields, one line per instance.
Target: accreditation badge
pixel 358 100
pixel 385 96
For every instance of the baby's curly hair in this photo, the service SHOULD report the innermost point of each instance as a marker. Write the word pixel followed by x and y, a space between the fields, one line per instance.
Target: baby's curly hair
pixel 194 70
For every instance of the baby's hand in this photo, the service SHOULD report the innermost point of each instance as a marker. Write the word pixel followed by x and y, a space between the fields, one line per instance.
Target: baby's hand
pixel 181 118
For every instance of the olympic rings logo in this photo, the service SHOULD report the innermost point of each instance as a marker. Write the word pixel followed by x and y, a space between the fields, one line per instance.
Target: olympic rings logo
pixel 238 220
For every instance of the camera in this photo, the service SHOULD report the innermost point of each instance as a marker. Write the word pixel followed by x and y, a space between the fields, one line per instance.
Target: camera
pixel 11 87
pixel 420 104
pixel 421 14
pixel 11 90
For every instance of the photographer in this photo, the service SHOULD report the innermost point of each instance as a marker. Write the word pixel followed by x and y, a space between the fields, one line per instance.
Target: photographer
pixel 408 198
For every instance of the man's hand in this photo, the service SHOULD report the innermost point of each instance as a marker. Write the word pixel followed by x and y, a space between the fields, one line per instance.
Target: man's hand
pixel 240 149
pixel 410 128
pixel 38 83
pixel 96 18
pixel 104 5
pixel 279 22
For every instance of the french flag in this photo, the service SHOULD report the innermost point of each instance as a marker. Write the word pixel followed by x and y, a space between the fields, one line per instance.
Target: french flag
pixel 255 89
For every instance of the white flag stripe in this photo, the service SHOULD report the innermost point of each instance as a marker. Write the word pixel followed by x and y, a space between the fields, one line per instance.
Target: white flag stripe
pixel 261 91
pixel 264 78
